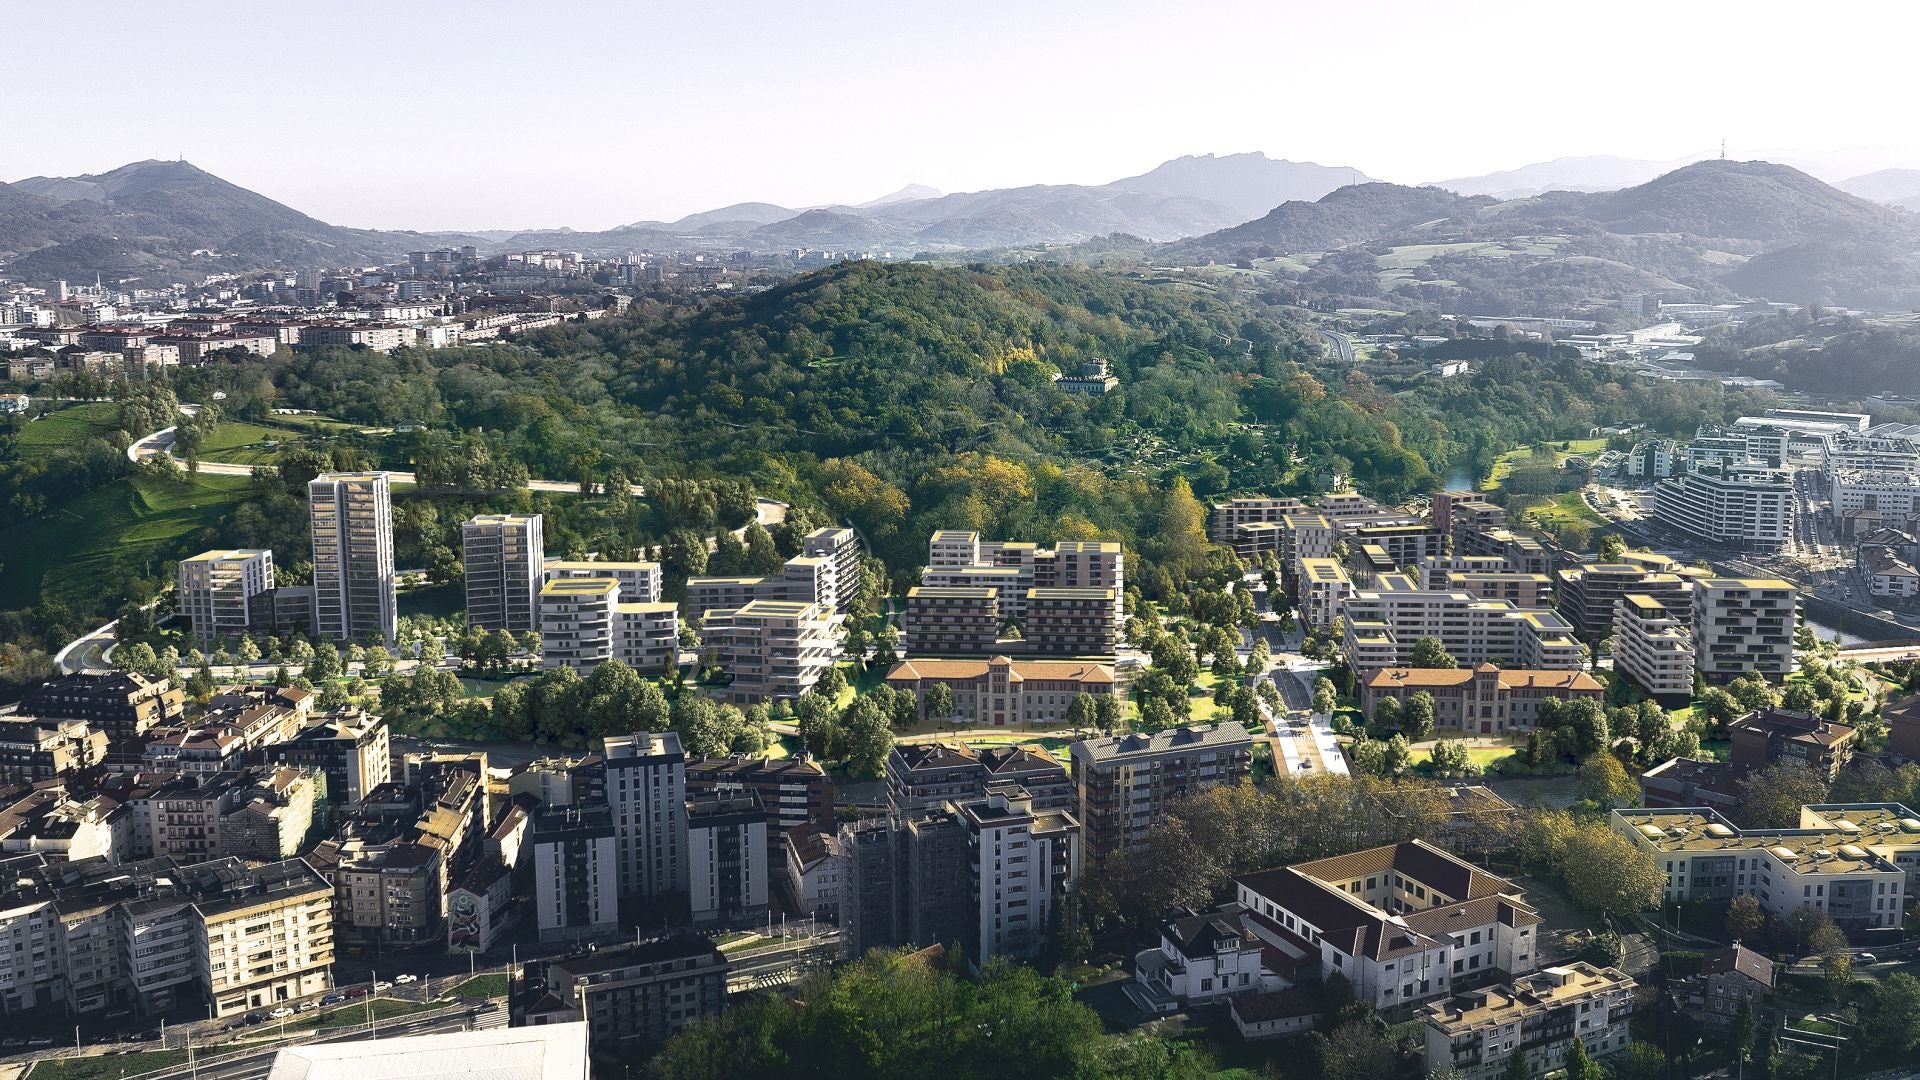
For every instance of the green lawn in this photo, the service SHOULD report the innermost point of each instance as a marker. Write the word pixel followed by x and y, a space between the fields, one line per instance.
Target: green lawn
pixel 83 553
pixel 1567 506
pixel 69 425
pixel 1505 462
pixel 245 444
pixel 482 986
pixel 110 1066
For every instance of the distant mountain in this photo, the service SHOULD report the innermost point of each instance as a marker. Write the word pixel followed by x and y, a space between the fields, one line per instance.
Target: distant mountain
pixel 1895 187
pixel 1359 214
pixel 1247 185
pixel 747 214
pixel 1596 173
pixel 1712 229
pixel 905 194
pixel 170 219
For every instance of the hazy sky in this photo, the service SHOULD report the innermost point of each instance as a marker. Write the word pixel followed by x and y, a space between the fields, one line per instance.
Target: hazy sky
pixel 492 114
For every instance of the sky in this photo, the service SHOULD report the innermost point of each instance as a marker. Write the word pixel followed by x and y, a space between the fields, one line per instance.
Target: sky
pixel 487 114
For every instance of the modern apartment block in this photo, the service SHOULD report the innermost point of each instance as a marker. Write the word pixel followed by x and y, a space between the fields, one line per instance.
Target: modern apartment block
pixel 575 872
pixel 727 859
pixel 1744 624
pixel 353 574
pixel 217 590
pixel 123 704
pixel 1478 1033
pixel 1021 860
pixel 1404 545
pixel 927 776
pixel 1404 923
pixel 1382 625
pixel 774 649
pixel 1845 860
pixel 1072 621
pixel 949 620
pixel 1123 784
pixel 1304 535
pixel 840 547
pixel 636 995
pixel 1482 700
pixel 505 558
pixel 1589 592
pixel 1324 587
pixel 1248 509
pixel 1653 646
pixel 639 581
pixel 1742 506
pixel 263 934
pixel 577 622
pixel 794 791
pixel 349 747
pixel 1005 692
pixel 647 789
pixel 1016 569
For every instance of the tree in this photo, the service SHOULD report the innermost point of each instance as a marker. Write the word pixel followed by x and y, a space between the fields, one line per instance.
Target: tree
pixel 1605 781
pixel 1894 1015
pixel 1516 1068
pixel 1578 1065
pixel 1325 697
pixel 1752 692
pixel 1772 797
pixel 1357 1050
pixel 1430 652
pixel 1397 756
pixel 249 650
pixel 325 663
pixel 1612 547
pixel 1741 1032
pixel 1082 713
pixel 1745 918
pixel 1386 713
pixel 869 736
pixel 831 683
pixel 1416 716
pixel 1450 758
pixel 938 701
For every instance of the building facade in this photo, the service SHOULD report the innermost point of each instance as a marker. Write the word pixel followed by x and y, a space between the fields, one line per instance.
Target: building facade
pixel 353 573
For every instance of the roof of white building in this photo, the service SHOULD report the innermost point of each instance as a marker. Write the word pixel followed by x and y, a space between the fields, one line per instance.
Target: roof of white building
pixel 546 1052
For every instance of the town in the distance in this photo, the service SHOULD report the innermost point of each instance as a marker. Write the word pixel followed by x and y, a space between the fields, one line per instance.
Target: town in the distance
pixel 1244 621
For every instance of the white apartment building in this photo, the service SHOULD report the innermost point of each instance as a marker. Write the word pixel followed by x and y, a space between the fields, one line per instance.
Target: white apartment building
pixel 353 575
pixel 647 791
pixel 1248 510
pixel 960 559
pixel 577 616
pixel 1383 624
pixel 726 859
pixel 1653 646
pixel 1021 861
pixel 774 649
pixel 1324 589
pixel 840 547
pixel 216 591
pixel 1744 624
pixel 1747 507
pixel 264 934
pixel 1842 859
pixel 505 558
pixel 639 581
pixel 1477 1033
pixel 1857 452
pixel 1892 494
pixel 575 872
pixel 1404 923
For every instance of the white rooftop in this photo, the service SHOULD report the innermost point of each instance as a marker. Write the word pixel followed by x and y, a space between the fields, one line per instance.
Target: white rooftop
pixel 547 1052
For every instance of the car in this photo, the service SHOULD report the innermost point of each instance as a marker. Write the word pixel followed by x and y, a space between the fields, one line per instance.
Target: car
pixel 382 985
pixel 255 1017
pixel 282 1011
pixel 1868 958
pixel 403 979
pixel 39 1041
pixel 357 992
pixel 306 1006
pixel 334 998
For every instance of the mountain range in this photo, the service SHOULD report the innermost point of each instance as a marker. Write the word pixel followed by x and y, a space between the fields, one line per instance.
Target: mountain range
pixel 1709 230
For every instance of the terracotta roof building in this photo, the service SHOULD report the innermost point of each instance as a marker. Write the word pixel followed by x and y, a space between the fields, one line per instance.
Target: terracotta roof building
pixel 1484 700
pixel 1004 692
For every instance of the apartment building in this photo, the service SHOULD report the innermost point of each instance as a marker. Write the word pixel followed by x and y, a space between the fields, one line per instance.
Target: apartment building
pixel 353 573
pixel 34 749
pixel 803 579
pixel 577 619
pixel 1403 545
pixel 1203 957
pixel 1324 588
pixel 260 813
pixel 349 747
pixel 840 548
pixel 1404 923
pixel 1729 980
pixel 1590 591
pixel 388 885
pixel 1304 535
pixel 123 704
pixel 1070 621
pixel 1224 517
pixel 48 821
pixel 1533 592
pixel 264 934
pixel 635 996
pixel 576 872
pixel 817 873
pixel 1482 700
pixel 504 556
pixel 794 791
pixel 1891 495
pixel 639 581
pixel 1459 513
pixel 774 649
pixel 959 558
pixel 647 789
pixel 1744 624
pixel 1771 736
pixel 1741 506
pixel 1021 861
pixel 1382 625
pixel 1840 860
pixel 926 776
pixel 948 620
pixel 1122 784
pixel 1005 692
pixel 1653 646
pixel 1477 1034
pixel 377 337
pixel 217 591
pixel 726 859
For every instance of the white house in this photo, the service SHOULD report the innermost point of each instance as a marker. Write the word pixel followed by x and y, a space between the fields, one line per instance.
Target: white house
pixel 1204 957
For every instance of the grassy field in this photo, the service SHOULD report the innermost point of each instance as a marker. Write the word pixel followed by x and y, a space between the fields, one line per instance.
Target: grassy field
pixel 82 552
pixel 482 986
pixel 64 427
pixel 1505 462
pixel 245 444
pixel 1564 507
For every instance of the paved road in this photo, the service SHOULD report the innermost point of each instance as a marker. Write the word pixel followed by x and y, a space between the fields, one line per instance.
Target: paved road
pixel 1341 343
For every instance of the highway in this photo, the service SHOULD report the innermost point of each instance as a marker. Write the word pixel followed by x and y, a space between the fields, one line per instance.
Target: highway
pixel 1342 345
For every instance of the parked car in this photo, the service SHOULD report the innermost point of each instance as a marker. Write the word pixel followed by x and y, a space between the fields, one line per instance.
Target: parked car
pixel 255 1017
pixel 357 992
pixel 1869 958
pixel 149 1035
pixel 284 1010
pixel 403 979
pixel 334 998
pixel 382 985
